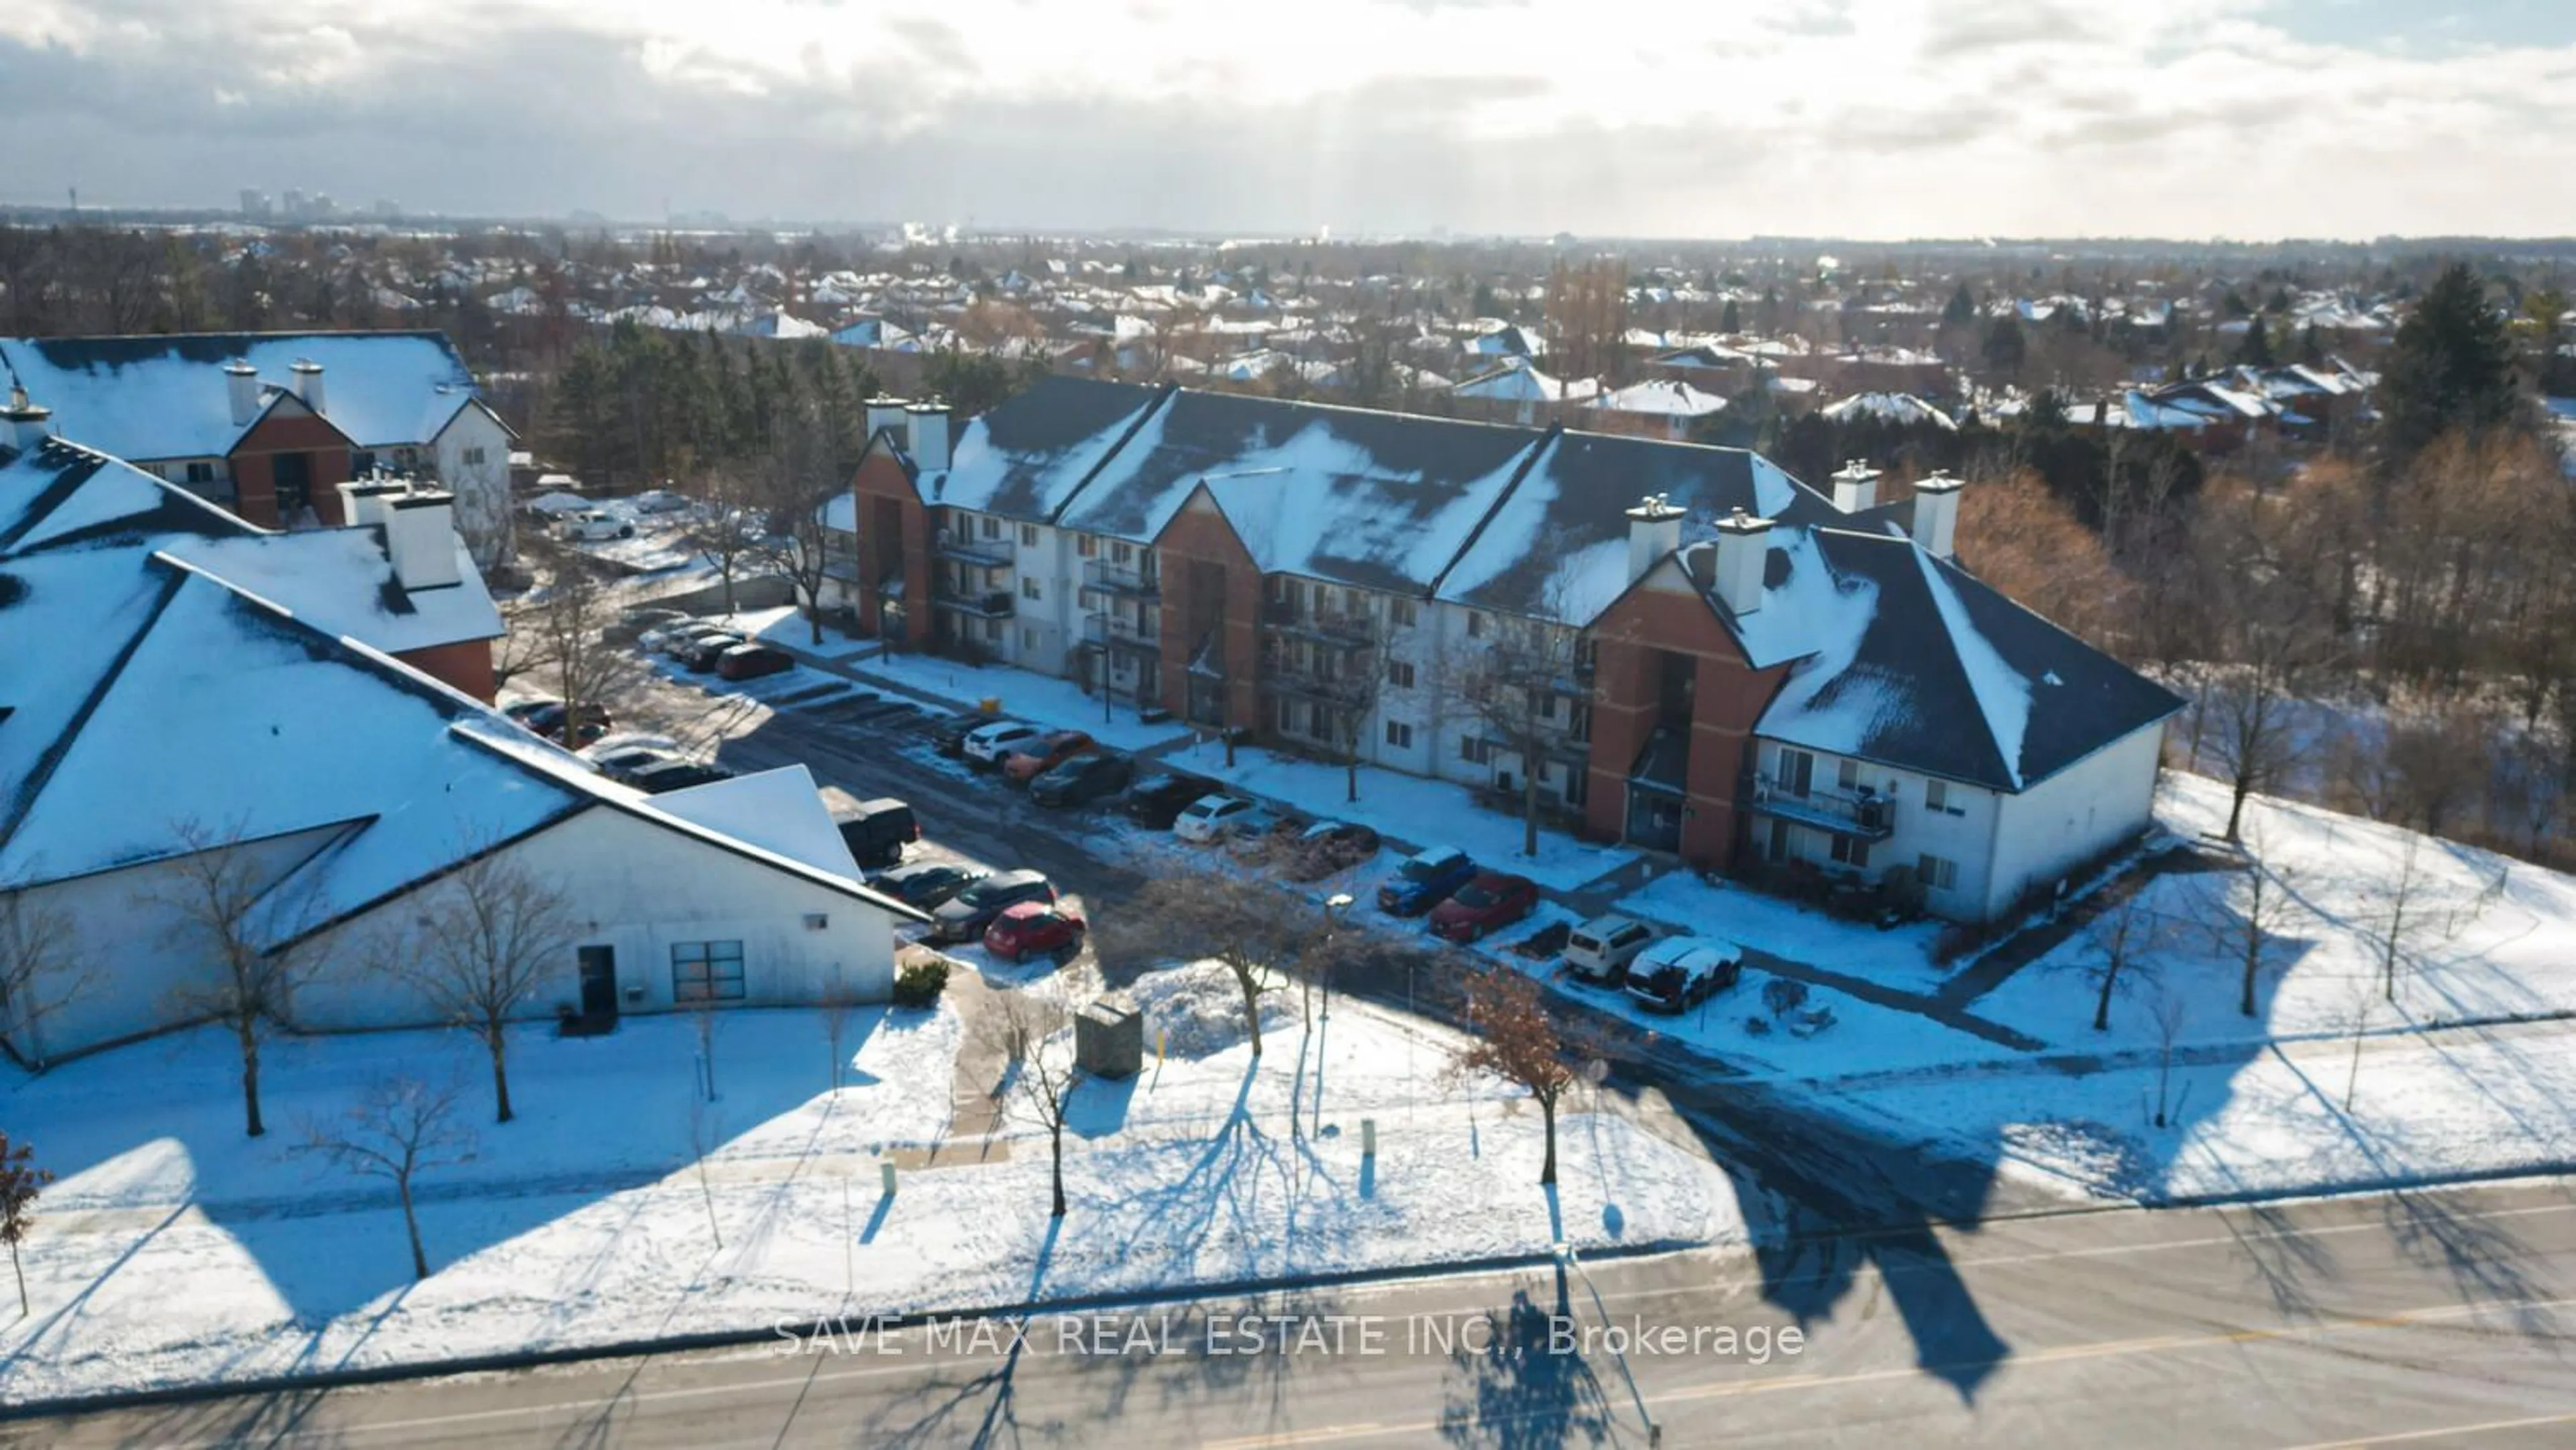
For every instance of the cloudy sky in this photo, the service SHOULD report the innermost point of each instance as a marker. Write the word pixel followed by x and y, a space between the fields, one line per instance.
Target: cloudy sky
pixel 1724 118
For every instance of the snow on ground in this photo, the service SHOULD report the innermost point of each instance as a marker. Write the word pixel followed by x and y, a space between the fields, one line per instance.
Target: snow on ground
pixel 1024 695
pixel 176 1251
pixel 2489 938
pixel 1408 807
pixel 1901 958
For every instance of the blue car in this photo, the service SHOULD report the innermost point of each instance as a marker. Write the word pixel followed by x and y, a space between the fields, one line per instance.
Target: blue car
pixel 1425 881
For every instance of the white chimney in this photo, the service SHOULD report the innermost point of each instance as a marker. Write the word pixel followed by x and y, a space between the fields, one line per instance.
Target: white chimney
pixel 420 534
pixel 1856 487
pixel 308 382
pixel 25 430
pixel 1654 531
pixel 1936 513
pixel 886 415
pixel 929 441
pixel 362 502
pixel 241 383
pixel 1743 557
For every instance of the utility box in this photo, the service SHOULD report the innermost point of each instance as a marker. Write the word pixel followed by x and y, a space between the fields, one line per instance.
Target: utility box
pixel 1109 1039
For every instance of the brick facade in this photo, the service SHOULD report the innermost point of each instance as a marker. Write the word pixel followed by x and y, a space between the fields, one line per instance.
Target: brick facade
pixel 254 463
pixel 1728 696
pixel 894 544
pixel 1211 589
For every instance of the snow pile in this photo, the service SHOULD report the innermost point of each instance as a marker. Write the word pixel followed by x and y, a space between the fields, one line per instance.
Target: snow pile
pixel 1197 1010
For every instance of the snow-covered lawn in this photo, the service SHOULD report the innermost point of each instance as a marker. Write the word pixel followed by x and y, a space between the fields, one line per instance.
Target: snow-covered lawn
pixel 1024 695
pixel 1408 807
pixel 176 1251
pixel 1901 958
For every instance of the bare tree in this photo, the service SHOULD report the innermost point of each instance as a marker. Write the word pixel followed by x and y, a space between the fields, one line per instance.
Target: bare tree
pixel 796 480
pixel 2401 922
pixel 2271 621
pixel 1347 682
pixel 566 613
pixel 399 1128
pixel 41 971
pixel 488 938
pixel 226 897
pixel 2357 1008
pixel 703 1011
pixel 703 1135
pixel 20 1183
pixel 1522 688
pixel 1515 1040
pixel 838 1004
pixel 1259 932
pixel 729 533
pixel 2118 937
pixel 2250 919
pixel 2169 1010
pixel 1031 1028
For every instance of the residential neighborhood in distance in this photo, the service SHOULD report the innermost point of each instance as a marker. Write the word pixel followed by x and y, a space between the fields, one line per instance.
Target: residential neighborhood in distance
pixel 1002 724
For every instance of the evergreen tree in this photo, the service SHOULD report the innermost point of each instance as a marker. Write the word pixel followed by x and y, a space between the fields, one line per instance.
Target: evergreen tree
pixel 1962 308
pixel 2006 348
pixel 1731 321
pixel 2256 350
pixel 2311 350
pixel 2450 368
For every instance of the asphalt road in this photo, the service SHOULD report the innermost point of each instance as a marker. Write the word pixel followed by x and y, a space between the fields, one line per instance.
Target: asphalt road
pixel 2433 1318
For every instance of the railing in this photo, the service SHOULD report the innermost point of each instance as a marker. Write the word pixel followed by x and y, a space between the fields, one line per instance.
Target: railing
pixel 989 603
pixel 1853 813
pixel 958 544
pixel 1100 576
pixel 1353 630
pixel 1101 628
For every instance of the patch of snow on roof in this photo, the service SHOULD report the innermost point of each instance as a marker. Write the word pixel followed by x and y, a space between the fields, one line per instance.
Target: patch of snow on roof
pixel 341 582
pixel 2003 693
pixel 780 811
pixel 1819 619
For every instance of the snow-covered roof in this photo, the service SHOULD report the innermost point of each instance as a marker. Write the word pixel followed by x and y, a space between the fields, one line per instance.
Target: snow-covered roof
pixel 1516 381
pixel 1888 407
pixel 1025 460
pixel 1661 397
pixel 1897 657
pixel 778 810
pixel 341 581
pixel 168 397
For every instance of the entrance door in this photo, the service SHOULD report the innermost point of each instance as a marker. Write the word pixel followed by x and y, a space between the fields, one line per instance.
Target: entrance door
pixel 294 475
pixel 598 982
pixel 1779 842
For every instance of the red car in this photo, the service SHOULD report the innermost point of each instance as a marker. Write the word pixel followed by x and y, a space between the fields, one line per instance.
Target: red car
pixel 1035 928
pixel 1489 902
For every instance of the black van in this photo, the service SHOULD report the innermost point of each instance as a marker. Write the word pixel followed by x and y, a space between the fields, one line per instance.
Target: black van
pixel 876 831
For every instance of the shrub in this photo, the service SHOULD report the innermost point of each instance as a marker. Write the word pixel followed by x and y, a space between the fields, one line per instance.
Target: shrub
pixel 919 985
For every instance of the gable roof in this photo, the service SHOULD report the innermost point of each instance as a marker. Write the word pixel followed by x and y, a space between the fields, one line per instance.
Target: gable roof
pixel 1909 660
pixel 167 396
pixel 1024 460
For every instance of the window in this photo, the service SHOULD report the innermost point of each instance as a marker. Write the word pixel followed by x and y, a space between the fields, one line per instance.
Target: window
pixel 1355 604
pixel 1028 639
pixel 992 631
pixel 1936 797
pixel 473 457
pixel 1797 771
pixel 1399 673
pixel 1849 777
pixel 1399 735
pixel 1851 851
pixel 201 473
pixel 1029 589
pixel 1399 612
pixel 706 971
pixel 1086 545
pixel 1937 874
pixel 1475 625
pixel 362 462
pixel 1579 723
pixel 1120 553
pixel 992 527
pixel 1028 536
pixel 1474 750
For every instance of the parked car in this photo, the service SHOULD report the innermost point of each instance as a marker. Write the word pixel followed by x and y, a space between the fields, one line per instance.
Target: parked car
pixel 1263 837
pixel 1206 818
pixel 948 736
pixel 519 710
pixel 751 660
pixel 642 624
pixel 1029 759
pixel 1485 905
pixel 1035 928
pixel 1158 800
pixel 927 884
pixel 707 651
pixel 677 639
pixel 1425 880
pixel 1083 779
pixel 660 501
pixel 875 831
pixel 551 721
pixel 1600 949
pixel 1681 972
pixel 964 916
pixel 1327 847
pixel 623 762
pixel 676 775
pixel 619 742
pixel 984 748
pixel 592 525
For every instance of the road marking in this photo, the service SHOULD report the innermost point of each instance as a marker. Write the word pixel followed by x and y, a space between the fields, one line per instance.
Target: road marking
pixel 2116 1348
pixel 1296 1437
pixel 2402 1436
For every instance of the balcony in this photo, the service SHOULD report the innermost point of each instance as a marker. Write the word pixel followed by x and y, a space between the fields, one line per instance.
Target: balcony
pixel 1120 581
pixel 966 549
pixel 1864 814
pixel 982 603
pixel 1350 631
pixel 1103 630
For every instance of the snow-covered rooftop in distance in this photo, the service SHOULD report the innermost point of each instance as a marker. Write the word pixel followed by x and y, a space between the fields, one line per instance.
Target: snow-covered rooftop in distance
pixel 1663 397
pixel 1888 407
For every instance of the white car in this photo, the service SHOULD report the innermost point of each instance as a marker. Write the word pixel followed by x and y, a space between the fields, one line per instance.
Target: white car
pixel 987 745
pixel 1681 972
pixel 1600 949
pixel 590 525
pixel 660 501
pixel 1208 817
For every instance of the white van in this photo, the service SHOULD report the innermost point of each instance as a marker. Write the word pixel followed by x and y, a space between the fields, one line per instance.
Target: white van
pixel 1599 950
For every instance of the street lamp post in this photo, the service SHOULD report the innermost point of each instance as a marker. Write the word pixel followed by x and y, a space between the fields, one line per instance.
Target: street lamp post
pixel 1336 907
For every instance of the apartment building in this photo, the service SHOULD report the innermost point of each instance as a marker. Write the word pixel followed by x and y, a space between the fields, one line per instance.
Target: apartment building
pixel 1679 647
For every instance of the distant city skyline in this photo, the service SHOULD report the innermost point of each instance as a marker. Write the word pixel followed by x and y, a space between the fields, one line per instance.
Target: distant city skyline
pixel 1862 119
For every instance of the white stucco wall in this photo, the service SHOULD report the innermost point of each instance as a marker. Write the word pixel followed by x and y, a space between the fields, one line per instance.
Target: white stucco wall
pixel 482 489
pixel 2098 801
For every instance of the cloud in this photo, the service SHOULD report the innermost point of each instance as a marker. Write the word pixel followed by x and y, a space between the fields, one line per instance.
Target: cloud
pixel 1604 117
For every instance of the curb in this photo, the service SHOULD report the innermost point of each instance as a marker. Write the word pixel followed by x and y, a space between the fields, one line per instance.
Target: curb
pixel 732 1338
